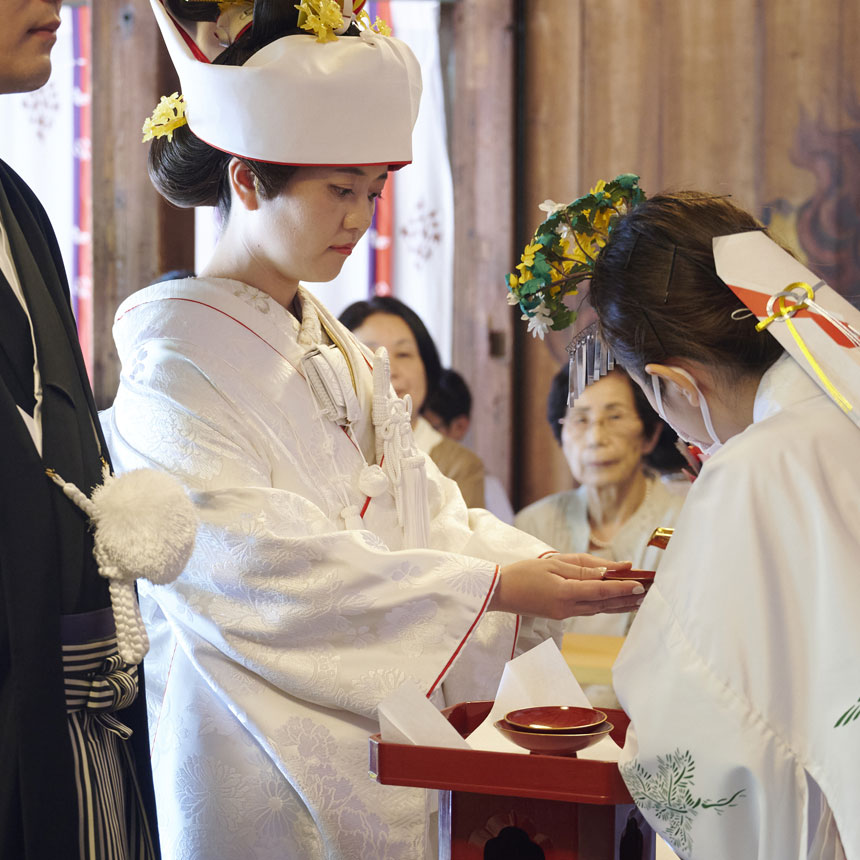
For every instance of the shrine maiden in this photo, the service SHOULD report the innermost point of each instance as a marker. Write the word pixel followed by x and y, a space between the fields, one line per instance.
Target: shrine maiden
pixel 740 672
pixel 333 561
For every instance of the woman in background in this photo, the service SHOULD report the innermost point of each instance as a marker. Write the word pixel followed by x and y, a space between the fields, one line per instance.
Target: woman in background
pixel 416 370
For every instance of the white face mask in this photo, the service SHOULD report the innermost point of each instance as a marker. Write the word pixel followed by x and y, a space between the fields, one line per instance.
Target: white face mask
pixel 716 444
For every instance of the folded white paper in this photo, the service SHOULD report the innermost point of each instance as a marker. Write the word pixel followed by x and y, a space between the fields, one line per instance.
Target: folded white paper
pixel 539 677
pixel 408 717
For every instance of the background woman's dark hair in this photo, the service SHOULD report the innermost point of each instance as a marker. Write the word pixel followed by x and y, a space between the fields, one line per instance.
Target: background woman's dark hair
pixel 189 172
pixel 657 293
pixel 450 398
pixel 664 458
pixel 353 316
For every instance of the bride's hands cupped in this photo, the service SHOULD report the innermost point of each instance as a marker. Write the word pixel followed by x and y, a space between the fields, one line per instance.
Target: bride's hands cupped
pixel 564 585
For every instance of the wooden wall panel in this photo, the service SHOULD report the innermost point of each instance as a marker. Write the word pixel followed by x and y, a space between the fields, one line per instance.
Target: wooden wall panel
pixel 759 99
pixel 811 134
pixel 621 92
pixel 709 98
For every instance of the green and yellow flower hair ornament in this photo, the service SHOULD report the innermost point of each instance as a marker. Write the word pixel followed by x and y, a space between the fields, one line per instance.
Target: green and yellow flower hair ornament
pixel 563 252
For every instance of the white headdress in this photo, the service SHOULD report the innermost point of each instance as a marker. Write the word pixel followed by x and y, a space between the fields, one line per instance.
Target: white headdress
pixel 302 99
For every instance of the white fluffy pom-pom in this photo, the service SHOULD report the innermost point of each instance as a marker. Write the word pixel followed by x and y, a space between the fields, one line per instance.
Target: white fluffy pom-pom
pixel 372 481
pixel 145 525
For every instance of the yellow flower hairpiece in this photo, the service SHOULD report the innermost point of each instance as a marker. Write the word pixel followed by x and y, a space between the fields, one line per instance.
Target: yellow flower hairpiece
pixel 378 26
pixel 169 114
pixel 321 17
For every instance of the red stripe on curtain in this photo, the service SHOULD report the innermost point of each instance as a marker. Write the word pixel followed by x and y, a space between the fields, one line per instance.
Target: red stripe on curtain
pixel 383 244
pixel 82 274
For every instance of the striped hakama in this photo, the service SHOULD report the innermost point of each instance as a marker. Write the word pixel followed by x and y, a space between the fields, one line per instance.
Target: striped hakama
pixel 113 822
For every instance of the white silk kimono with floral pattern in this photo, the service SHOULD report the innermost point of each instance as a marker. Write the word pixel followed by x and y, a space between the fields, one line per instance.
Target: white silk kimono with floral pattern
pixel 741 672
pixel 300 609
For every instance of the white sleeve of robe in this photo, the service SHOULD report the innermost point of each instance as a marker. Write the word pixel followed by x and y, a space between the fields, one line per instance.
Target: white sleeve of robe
pixel 743 657
pixel 329 615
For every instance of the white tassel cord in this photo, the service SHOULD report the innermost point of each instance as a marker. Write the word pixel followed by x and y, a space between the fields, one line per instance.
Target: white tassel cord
pixel 401 461
pixel 144 525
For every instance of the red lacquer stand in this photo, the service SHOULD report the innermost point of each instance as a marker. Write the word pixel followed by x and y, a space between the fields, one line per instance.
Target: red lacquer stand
pixel 508 806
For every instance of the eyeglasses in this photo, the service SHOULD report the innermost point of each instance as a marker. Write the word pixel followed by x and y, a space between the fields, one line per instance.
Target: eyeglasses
pixel 621 421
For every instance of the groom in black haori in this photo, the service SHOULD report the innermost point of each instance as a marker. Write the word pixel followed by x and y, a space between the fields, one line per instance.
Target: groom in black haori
pixel 74 764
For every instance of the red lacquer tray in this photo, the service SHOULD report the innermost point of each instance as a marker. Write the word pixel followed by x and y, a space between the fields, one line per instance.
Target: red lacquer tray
pixel 513 774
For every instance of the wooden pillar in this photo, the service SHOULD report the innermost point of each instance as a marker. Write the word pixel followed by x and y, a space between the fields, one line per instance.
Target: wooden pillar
pixel 482 161
pixel 136 234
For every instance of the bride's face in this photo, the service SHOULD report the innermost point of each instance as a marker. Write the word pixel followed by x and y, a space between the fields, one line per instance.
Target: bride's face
pixel 308 230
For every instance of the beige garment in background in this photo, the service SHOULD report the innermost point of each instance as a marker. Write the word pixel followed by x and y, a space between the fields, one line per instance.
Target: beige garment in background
pixel 455 461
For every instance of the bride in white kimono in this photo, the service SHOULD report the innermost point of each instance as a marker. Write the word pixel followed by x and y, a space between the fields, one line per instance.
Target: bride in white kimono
pixel 333 561
pixel 741 671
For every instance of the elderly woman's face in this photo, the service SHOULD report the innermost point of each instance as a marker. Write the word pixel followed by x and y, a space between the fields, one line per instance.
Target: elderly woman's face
pixel 602 435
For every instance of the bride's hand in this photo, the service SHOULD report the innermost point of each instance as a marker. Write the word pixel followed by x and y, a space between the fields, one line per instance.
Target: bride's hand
pixel 563 585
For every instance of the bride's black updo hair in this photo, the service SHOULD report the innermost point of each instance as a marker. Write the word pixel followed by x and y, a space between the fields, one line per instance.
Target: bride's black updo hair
pixel 187 171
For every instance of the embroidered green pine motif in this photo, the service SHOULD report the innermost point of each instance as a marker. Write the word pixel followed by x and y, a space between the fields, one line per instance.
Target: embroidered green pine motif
pixel 849 716
pixel 669 794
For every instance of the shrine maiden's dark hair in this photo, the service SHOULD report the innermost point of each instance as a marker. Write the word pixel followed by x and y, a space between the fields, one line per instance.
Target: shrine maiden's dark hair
pixel 657 293
pixel 187 171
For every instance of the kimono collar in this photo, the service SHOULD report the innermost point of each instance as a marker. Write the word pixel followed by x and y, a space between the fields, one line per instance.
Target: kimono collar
pixel 784 384
pixel 309 330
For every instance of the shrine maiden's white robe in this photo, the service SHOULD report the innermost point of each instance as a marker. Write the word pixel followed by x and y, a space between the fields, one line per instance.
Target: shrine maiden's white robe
pixel 272 650
pixel 741 672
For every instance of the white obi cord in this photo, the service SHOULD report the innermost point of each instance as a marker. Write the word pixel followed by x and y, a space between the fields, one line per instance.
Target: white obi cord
pixel 401 461
pixel 327 373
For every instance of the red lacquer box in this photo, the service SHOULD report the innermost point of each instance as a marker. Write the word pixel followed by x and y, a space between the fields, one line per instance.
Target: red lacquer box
pixel 495 805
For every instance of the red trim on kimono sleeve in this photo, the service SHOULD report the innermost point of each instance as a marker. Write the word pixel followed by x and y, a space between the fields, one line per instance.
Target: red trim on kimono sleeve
pixel 463 641
pixel 516 636
pixel 548 553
